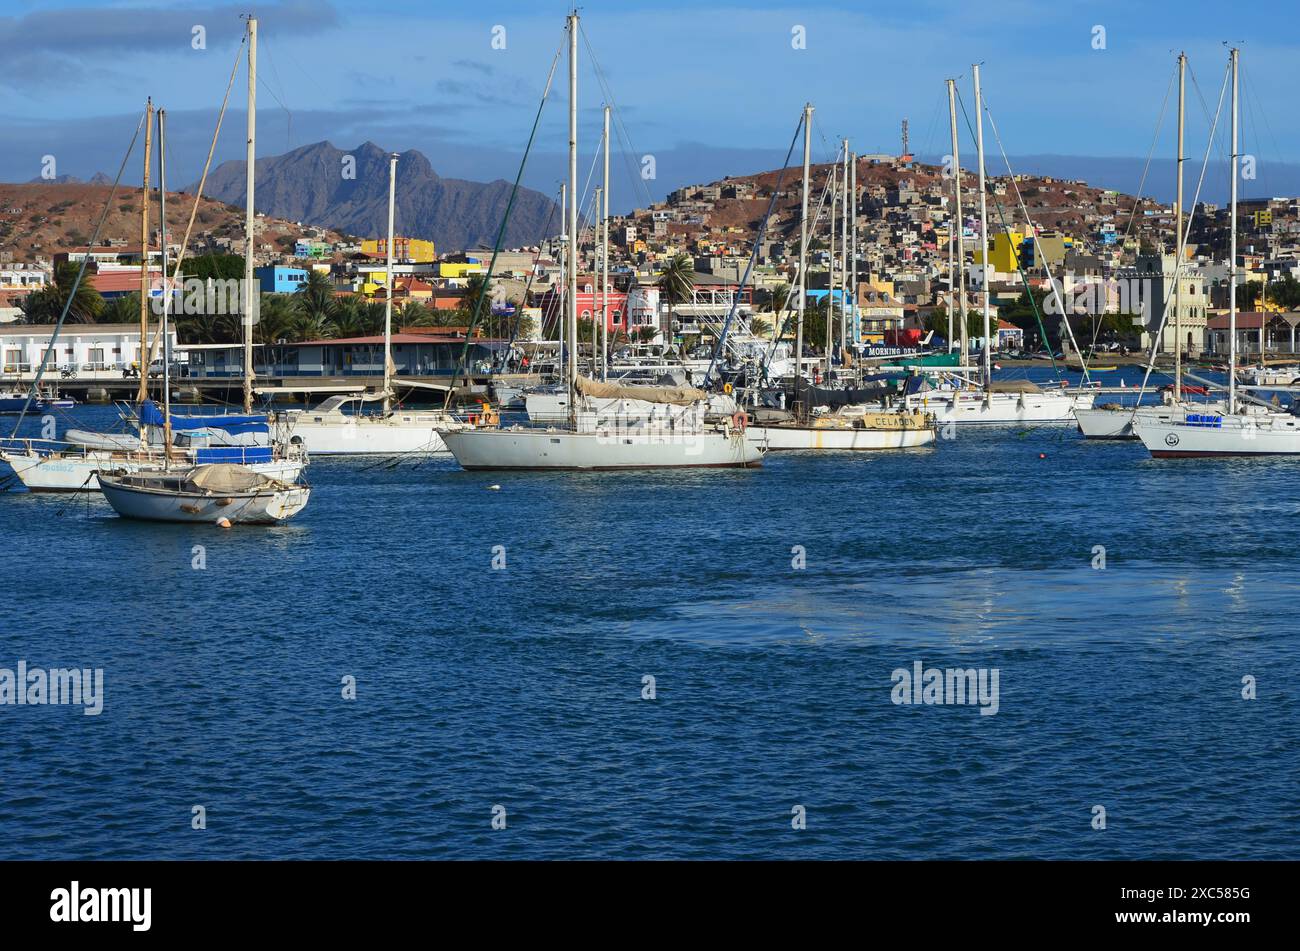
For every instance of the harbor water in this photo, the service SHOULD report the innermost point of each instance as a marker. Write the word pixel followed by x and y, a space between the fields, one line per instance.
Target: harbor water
pixel 672 664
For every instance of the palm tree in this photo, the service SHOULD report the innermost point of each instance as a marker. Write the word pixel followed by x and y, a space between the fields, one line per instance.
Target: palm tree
pixel 121 310
pixel 780 300
pixel 46 305
pixel 677 281
pixel 475 289
pixel 316 296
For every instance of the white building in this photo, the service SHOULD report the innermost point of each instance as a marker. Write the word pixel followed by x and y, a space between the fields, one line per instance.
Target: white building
pixel 93 350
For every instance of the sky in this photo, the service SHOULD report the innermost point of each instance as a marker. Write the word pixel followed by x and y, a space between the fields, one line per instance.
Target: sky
pixel 706 89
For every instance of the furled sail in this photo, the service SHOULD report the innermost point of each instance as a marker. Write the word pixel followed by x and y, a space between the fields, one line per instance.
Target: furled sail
pixel 677 395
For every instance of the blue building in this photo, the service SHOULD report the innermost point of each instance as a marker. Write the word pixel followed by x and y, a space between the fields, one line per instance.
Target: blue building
pixel 278 279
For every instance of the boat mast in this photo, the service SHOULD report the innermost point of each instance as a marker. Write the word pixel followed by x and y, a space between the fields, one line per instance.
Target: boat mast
pixel 853 254
pixel 388 298
pixel 604 263
pixel 166 288
pixel 803 241
pixel 844 250
pixel 959 288
pixel 1178 241
pixel 1232 252
pixel 572 326
pixel 984 230
pixel 562 295
pixel 250 300
pixel 143 392
pixel 830 271
pixel 595 274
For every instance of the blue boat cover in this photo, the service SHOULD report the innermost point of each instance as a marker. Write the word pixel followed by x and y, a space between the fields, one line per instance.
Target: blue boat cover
pixel 151 415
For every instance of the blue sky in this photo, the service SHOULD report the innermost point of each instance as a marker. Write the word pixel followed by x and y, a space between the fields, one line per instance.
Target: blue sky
pixel 708 89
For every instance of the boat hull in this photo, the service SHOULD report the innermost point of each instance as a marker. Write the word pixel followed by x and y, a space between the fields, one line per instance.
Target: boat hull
pixel 1266 434
pixel 54 472
pixel 785 438
pixel 617 449
pixel 402 434
pixel 974 407
pixel 248 508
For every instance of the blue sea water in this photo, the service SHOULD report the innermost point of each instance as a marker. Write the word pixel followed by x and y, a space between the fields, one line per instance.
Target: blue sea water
pixel 522 687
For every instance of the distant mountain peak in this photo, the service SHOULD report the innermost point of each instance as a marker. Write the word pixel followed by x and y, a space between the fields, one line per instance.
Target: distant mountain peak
pixel 313 184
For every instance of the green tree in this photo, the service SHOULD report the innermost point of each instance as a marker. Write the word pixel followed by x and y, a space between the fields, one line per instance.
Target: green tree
pixel 223 266
pixel 121 310
pixel 45 306
pixel 677 281
pixel 315 297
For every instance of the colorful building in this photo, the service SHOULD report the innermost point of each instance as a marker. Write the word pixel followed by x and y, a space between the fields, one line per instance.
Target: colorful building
pixel 278 279
pixel 406 250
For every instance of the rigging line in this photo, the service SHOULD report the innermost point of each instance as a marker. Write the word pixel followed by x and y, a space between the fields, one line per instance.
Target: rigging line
pixel 1205 110
pixel 617 114
pixel 501 231
pixel 1248 83
pixel 528 285
pixel 1030 224
pixel 790 311
pixel 168 286
pixel 753 257
pixel 288 138
pixel 1155 138
pixel 81 273
pixel 1178 264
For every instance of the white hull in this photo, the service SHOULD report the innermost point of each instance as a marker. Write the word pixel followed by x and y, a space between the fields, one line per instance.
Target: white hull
pixel 1219 434
pixel 789 437
pixel 157 505
pixel 1101 423
pixel 973 406
pixel 342 435
pixel 631 448
pixel 72 473
pixel 553 408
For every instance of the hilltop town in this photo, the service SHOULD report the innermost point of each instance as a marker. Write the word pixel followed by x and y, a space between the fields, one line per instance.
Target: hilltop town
pixel 705 235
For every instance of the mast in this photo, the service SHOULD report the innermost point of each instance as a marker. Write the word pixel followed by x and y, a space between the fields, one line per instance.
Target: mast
pixel 572 326
pixel 803 241
pixel 853 254
pixel 830 272
pixel 388 298
pixel 562 296
pixel 250 300
pixel 1178 241
pixel 143 392
pixel 844 250
pixel 987 370
pixel 604 263
pixel 595 273
pixel 1232 253
pixel 959 252
pixel 167 290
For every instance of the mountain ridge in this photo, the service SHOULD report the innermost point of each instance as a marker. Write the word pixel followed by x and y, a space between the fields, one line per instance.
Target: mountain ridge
pixel 347 190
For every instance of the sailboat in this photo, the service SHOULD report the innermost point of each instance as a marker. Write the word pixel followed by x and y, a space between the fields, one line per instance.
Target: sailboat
pixel 328 430
pixel 1115 421
pixel 675 435
pixel 848 426
pixel 1245 426
pixel 965 395
pixel 72 463
pixel 224 493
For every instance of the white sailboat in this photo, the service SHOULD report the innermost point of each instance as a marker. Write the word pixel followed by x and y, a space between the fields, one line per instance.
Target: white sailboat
pixel 676 435
pixel 209 494
pixel 957 398
pixel 327 430
pixel 1246 427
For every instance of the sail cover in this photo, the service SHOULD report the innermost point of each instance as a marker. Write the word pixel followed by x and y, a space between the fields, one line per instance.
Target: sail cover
pixel 1014 386
pixel 809 395
pixel 677 395
pixel 151 415
pixel 224 477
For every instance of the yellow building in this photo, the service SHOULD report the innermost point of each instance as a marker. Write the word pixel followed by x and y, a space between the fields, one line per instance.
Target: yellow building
pixel 458 269
pixel 1005 256
pixel 406 250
